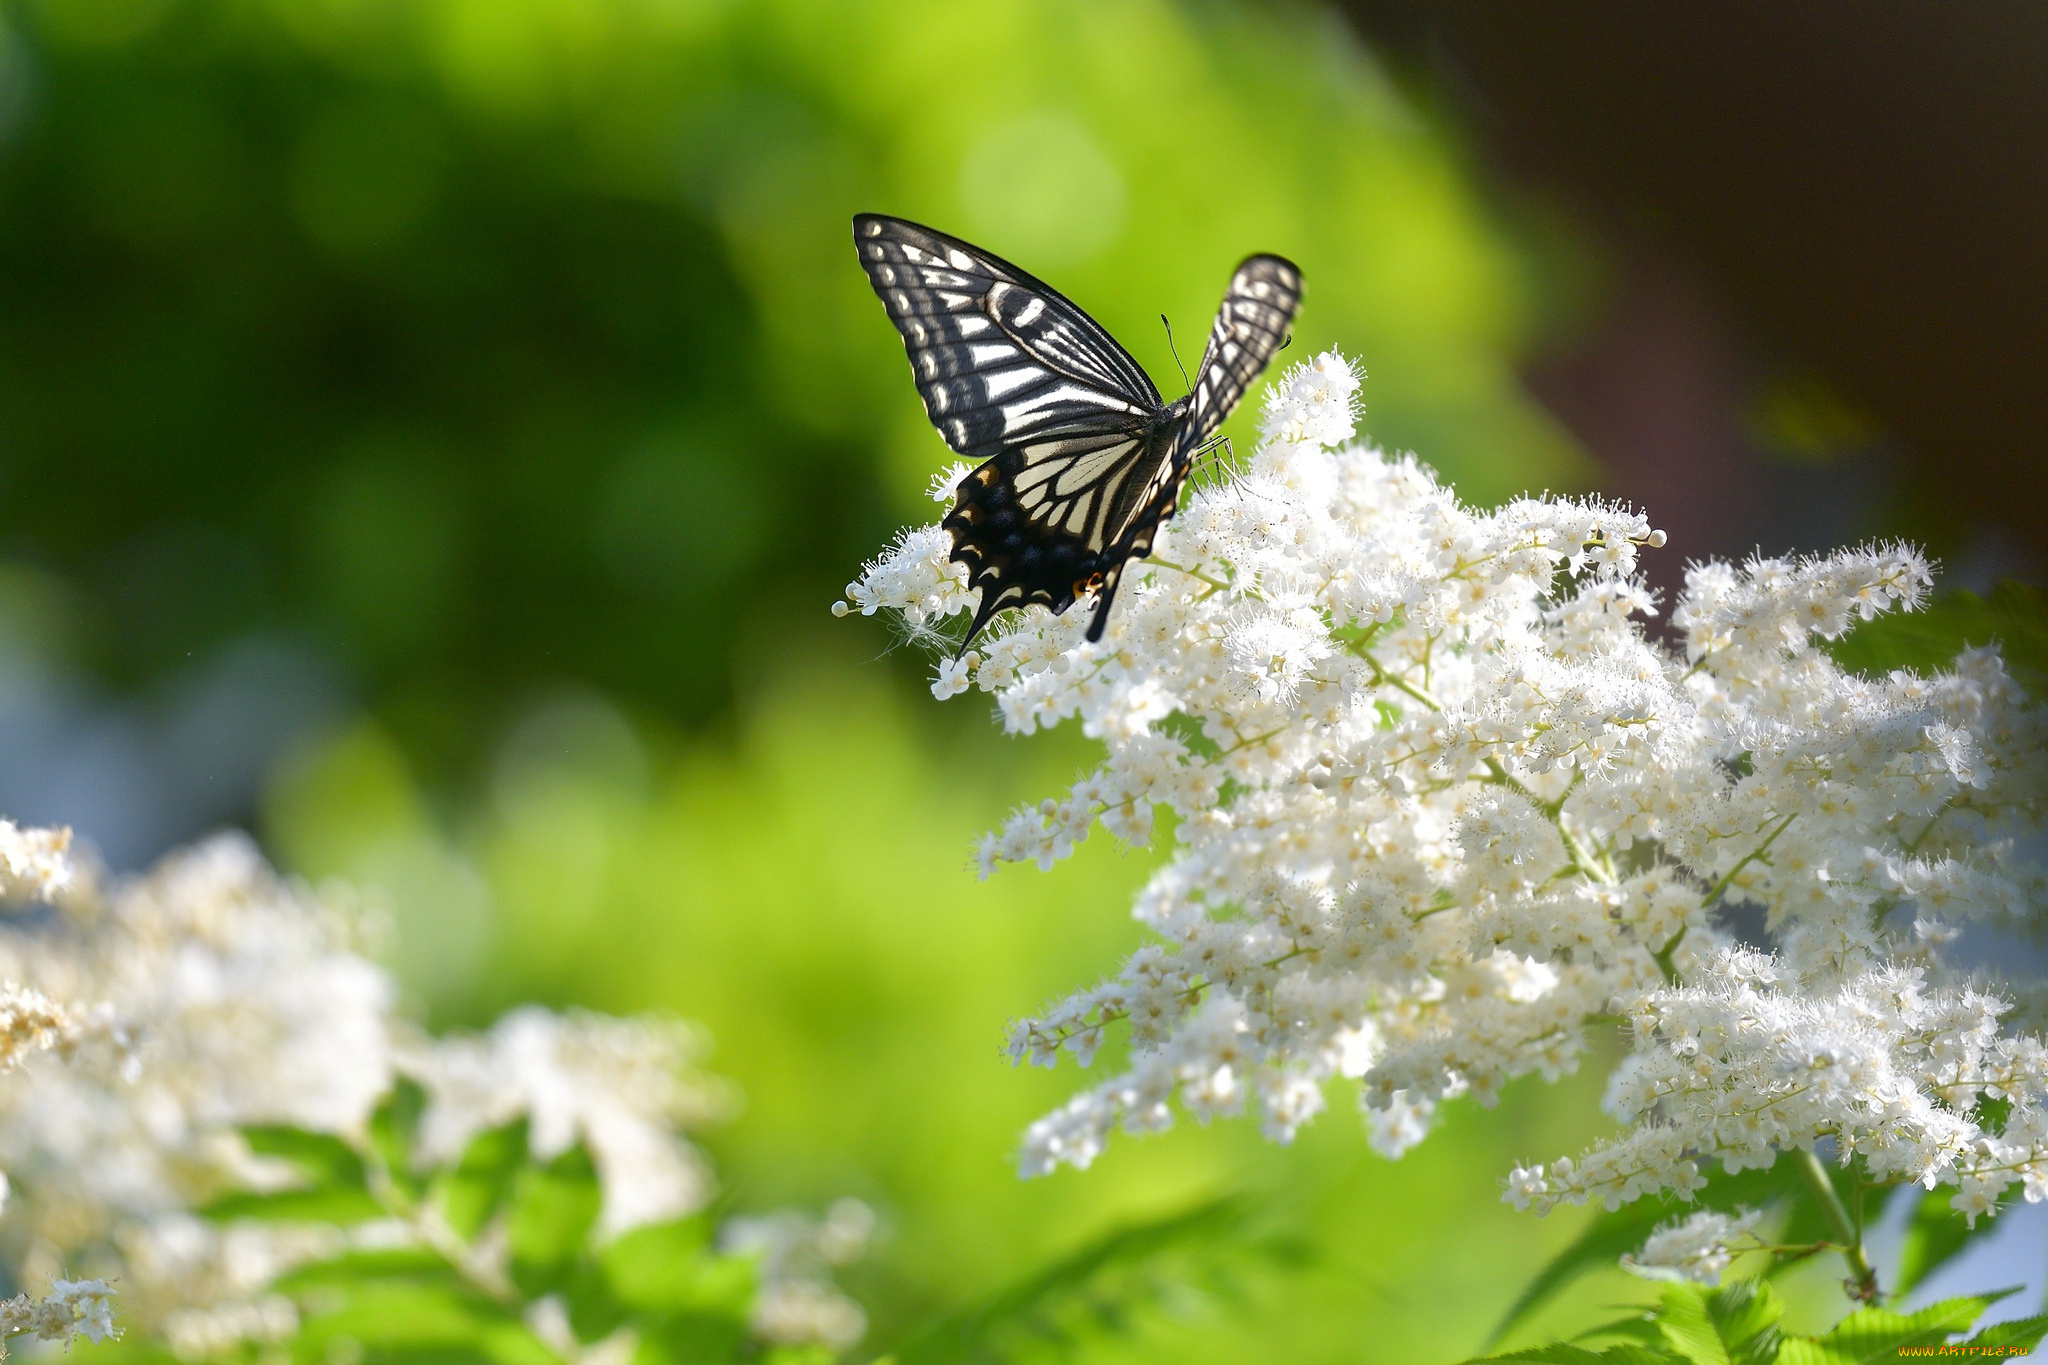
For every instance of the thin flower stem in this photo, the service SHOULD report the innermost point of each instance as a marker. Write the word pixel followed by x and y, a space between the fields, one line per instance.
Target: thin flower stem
pixel 1862 1275
pixel 1714 891
pixel 1382 678
pixel 1583 860
pixel 1191 573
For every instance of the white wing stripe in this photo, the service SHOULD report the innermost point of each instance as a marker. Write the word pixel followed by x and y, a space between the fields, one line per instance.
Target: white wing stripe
pixel 1002 383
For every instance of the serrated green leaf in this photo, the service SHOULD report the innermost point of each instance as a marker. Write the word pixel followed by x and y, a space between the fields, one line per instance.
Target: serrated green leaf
pixel 553 1209
pixel 323 1158
pixel 1687 1328
pixel 342 1207
pixel 1746 1314
pixel 1735 1325
pixel 1565 1353
pixel 2021 1334
pixel 482 1180
pixel 1869 1335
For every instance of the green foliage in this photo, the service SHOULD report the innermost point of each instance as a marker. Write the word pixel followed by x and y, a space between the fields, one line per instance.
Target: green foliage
pixel 496 1230
pixel 1102 1288
pixel 471 1194
pixel 1780 1190
pixel 483 345
pixel 2014 617
pixel 800 890
pixel 1737 1324
pixel 1935 1235
pixel 554 1207
pixel 492 1233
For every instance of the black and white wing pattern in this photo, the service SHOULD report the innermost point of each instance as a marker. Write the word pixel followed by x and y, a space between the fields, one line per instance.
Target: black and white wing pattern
pixel 1251 324
pixel 1258 309
pixel 1080 460
pixel 998 355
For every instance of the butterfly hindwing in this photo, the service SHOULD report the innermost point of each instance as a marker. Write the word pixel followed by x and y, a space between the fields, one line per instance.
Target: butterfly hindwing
pixel 1080 460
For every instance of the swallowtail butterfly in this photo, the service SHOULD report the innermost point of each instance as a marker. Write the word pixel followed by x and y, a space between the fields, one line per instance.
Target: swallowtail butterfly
pixel 1080 459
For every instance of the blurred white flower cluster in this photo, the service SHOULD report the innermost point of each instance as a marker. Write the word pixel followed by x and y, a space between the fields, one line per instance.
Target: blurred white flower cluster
pixel 223 996
pixel 797 1255
pixel 34 864
pixel 1440 806
pixel 1698 1247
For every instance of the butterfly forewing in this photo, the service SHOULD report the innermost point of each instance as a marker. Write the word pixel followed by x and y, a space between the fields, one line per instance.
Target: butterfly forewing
pixel 998 356
pixel 1080 459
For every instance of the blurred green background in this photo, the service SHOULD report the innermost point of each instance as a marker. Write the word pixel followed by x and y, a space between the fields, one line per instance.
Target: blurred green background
pixel 433 431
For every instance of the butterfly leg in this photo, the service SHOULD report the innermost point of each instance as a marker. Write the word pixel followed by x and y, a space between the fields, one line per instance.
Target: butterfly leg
pixel 1205 454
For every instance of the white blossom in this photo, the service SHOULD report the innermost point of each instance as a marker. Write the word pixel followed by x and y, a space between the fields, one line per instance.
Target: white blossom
pixel 73 1309
pixel 620 1086
pixel 35 864
pixel 798 1303
pixel 222 995
pixel 1443 806
pixel 1698 1247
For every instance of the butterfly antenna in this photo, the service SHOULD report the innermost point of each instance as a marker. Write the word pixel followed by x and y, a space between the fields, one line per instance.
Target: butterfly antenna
pixel 1176 354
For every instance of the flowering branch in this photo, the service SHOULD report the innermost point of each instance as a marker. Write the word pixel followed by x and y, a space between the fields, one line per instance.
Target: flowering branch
pixel 1443 806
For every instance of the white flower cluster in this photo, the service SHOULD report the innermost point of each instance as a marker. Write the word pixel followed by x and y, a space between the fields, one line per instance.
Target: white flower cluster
pixel 1699 1247
pixel 620 1086
pixel 31 1022
pixel 1441 805
pixel 224 997
pixel 227 997
pixel 35 864
pixel 73 1309
pixel 798 1303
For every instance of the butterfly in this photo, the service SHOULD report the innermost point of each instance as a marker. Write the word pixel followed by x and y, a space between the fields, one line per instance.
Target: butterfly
pixel 1080 458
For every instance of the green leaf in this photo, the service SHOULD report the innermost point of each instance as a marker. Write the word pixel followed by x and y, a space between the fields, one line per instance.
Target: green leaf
pixel 354 1268
pixel 393 1321
pixel 1746 1315
pixel 1933 1237
pixel 553 1209
pixel 1682 1320
pixel 394 1129
pixel 695 1338
pixel 2014 616
pixel 1611 1234
pixel 2021 1334
pixel 800 1355
pixel 669 1267
pixel 1873 1334
pixel 325 1160
pixel 1099 1287
pixel 1565 1353
pixel 1736 1325
pixel 341 1207
pixel 482 1180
